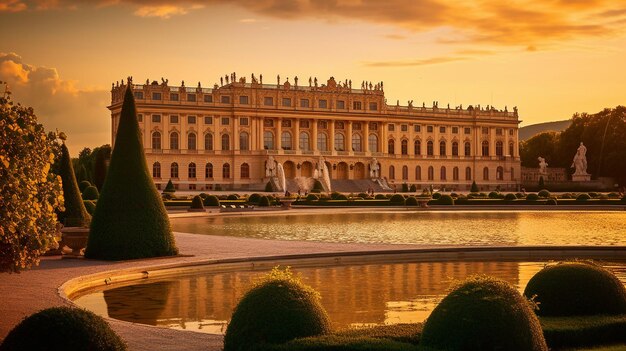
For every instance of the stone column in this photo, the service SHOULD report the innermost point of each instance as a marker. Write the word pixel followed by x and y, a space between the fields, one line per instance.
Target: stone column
pixel 492 142
pixel 296 135
pixel 366 135
pixel 349 137
pixel 331 136
pixel 279 131
pixel 382 147
pixel 236 133
pixel 314 135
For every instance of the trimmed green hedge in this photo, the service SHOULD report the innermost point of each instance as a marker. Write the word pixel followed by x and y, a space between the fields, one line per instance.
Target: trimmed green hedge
pixel 254 198
pixel 397 199
pixel 544 193
pixel 90 193
pixel 83 185
pixel 583 197
pixel 90 206
pixel 561 332
pixel 196 203
pixel 211 201
pixel 264 201
pixel 411 201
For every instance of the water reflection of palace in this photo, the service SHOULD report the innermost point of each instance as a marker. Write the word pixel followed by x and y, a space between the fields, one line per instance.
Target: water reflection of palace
pixel 352 295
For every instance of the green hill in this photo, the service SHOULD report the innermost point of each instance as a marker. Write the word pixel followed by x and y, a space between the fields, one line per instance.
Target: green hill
pixel 533 129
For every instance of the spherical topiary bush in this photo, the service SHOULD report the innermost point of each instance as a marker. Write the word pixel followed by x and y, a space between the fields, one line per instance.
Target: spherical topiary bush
pixel 445 200
pixel 312 197
pixel 436 196
pixel 363 195
pixel 583 197
pixel 543 193
pixel 277 309
pixel 397 199
pixel 196 203
pixel 232 197
pixel 510 197
pixel 380 197
pixel 341 197
pixel 493 195
pixel 613 195
pixel 90 206
pixel 254 198
pixel 483 313
pixel 411 201
pixel 519 195
pixel 269 187
pixel 334 195
pixel 594 194
pixel 63 328
pixel 212 201
pixel 90 193
pixel 83 185
pixel 532 197
pixel 576 289
pixel 552 201
pixel 264 201
pixel 624 199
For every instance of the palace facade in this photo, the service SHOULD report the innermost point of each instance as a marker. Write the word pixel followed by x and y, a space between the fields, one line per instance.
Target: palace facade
pixel 223 137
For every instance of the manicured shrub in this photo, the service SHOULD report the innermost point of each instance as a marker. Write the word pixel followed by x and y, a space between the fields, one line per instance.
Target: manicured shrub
pixel 532 197
pixel 380 197
pixel 334 195
pixel 613 196
pixel 63 328
pixel 413 188
pixel 265 201
pixel 583 197
pixel 474 188
pixel 436 196
pixel 341 197
pixel 397 199
pixel 445 200
pixel 566 196
pixel 519 195
pixel 277 309
pixel 100 166
pixel 211 201
pixel 483 313
pixel 593 194
pixel 405 188
pixel 268 187
pixel 411 201
pixel 510 197
pixel 90 193
pixel 363 195
pixel 75 214
pixel 203 195
pixel 130 220
pixel 90 206
pixel 544 193
pixel 552 202
pixel 196 203
pixel 254 198
pixel 167 196
pixel 312 197
pixel 623 199
pixel 494 195
pixel 83 185
pixel 169 188
pixel 603 197
pixel 232 197
pixel 577 288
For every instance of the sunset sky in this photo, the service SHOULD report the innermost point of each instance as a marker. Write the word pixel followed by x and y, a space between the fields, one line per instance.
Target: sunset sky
pixel 551 58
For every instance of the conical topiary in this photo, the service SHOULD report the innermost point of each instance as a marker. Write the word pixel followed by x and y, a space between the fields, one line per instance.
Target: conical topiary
pixel 75 214
pixel 130 219
pixel 474 188
pixel 169 188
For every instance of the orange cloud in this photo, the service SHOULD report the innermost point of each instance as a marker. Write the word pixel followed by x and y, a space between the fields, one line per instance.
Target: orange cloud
pixel 418 62
pixel 164 11
pixel 12 6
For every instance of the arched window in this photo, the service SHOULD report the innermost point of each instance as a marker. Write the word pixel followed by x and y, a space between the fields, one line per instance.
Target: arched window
pixel 431 173
pixel 156 141
pixel 208 141
pixel 174 170
pixel 404 147
pixel 340 142
pixel 322 141
pixel 174 141
pixel 468 148
pixel 442 148
pixel 304 141
pixel 430 148
pixel 191 171
pixel 391 147
pixel 485 173
pixel 405 173
pixel 225 142
pixel 191 141
pixel 511 149
pixel 226 171
pixel 244 141
pixel 356 142
pixel 499 173
pixel 285 141
pixel 156 170
pixel 499 148
pixel 418 173
pixel 455 148
pixel 208 171
pixel 455 173
pixel 373 143
pixel 442 173
pixel 245 171
pixel 468 173
pixel 417 147
pixel 485 148
pixel 392 172
pixel 268 140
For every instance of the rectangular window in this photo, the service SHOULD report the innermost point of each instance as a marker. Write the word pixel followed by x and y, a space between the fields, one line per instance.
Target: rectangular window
pixel 225 99
pixel 404 127
pixel 373 126
pixel 286 102
pixel 511 131
pixel 268 101
pixel 485 130
pixel 338 125
pixel 192 187
pixel 191 97
pixel 138 95
pixel 391 127
pixel 499 131
pixel 430 129
pixel 442 129
pixel 467 130
pixel 304 102
pixel 357 105
pixel 191 119
pixel 341 105
pixel 173 119
pixel 243 100
pixel 322 124
pixel 417 128
pixel 173 96
pixel 156 118
pixel 455 130
pixel 356 126
pixel 208 98
pixel 243 121
pixel 225 121
pixel 323 103
pixel 268 123
pixel 139 117
pixel 373 106
pixel 286 123
pixel 304 124
pixel 208 119
pixel 156 96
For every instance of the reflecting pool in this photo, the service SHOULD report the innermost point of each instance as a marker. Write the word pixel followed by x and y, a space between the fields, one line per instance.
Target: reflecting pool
pixel 502 228
pixel 353 295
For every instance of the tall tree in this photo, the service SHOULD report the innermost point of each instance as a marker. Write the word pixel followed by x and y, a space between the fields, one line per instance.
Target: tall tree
pixel 130 220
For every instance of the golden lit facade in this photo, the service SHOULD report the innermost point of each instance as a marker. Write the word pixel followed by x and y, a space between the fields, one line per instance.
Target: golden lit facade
pixel 222 137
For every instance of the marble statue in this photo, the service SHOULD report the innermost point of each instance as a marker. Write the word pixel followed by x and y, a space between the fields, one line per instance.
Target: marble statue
pixel 543 165
pixel 270 167
pixel 580 160
pixel 374 169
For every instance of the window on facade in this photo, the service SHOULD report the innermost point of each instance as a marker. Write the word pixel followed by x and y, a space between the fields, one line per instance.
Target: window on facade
pixel 245 171
pixel 455 148
pixel 468 148
pixel 442 129
pixel 174 170
pixel 208 141
pixel 499 148
pixel 373 126
pixel 244 141
pixel 468 173
pixel 357 105
pixel 304 102
pixel 322 124
pixel 269 101
pixel 391 127
pixel 430 148
pixel 156 170
pixel 156 141
pixel 417 147
pixel 243 121
pixel 191 141
pixel 467 130
pixel 156 118
pixel 323 103
pixel 226 171
pixel 285 123
pixel 455 130
pixel 455 173
pixel 285 140
pixel 268 140
pixel 225 121
pixel 191 97
pixel 174 141
pixel 431 173
pixel 392 172
pixel 404 147
pixel 373 106
pixel 304 141
pixel 485 148
pixel 373 143
pixel 322 142
pixel 208 120
pixel 485 173
pixel 499 131
pixel 417 128
pixel 208 98
pixel 405 173
pixel 500 173
pixel 225 99
pixel 243 100
pixel 356 142
pixel 430 129
pixel 156 96
pixel 485 130
pixel 340 142
pixel 208 171
pixel 341 105
pixel 191 171
pixel 356 126
pixel 442 173
pixel 268 123
pixel 404 128
pixel 511 149
pixel 391 147
pixel 418 173
pixel 442 148
pixel 138 95
pixel 173 119
pixel 339 125
pixel 191 119
pixel 225 142
pixel 286 102
pixel 511 131
pixel 304 123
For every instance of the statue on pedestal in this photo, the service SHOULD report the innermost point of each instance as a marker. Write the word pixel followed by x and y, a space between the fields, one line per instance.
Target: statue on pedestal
pixel 580 160
pixel 270 167
pixel 374 169
pixel 543 165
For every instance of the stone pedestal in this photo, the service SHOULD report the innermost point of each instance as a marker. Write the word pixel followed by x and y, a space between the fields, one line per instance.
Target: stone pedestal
pixel 581 177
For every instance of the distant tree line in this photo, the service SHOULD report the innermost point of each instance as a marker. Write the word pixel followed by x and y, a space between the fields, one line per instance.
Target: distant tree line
pixel 604 134
pixel 91 165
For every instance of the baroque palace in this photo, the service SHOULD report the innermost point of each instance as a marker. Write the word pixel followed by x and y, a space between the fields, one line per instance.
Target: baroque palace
pixel 242 135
